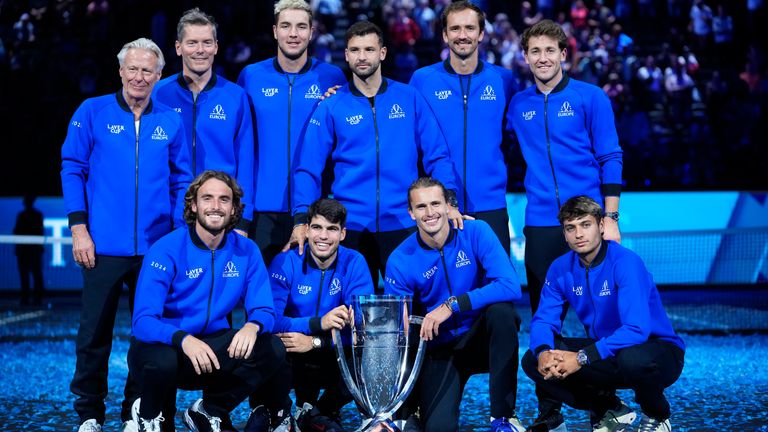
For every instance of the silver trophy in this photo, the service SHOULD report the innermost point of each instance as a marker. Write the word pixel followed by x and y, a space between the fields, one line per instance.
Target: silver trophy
pixel 382 367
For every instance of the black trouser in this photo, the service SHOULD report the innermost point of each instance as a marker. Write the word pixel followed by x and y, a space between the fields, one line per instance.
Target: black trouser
pixel 499 222
pixel 160 369
pixel 376 248
pixel 102 286
pixel 542 246
pixel 490 345
pixel 271 231
pixel 315 370
pixel 30 263
pixel 647 369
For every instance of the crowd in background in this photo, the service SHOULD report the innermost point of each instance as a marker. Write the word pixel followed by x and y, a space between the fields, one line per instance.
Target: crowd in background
pixel 687 79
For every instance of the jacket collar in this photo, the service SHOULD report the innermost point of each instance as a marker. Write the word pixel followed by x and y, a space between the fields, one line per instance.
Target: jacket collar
pixel 304 69
pixel 124 105
pixel 358 93
pixel 560 86
pixel 599 258
pixel 450 70
pixel 310 263
pixel 209 85
pixel 200 244
pixel 451 236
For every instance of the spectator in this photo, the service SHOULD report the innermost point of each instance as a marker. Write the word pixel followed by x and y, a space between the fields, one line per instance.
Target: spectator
pixel 701 22
pixel 426 18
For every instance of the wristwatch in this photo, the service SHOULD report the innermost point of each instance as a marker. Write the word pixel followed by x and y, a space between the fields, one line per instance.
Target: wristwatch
pixel 452 303
pixel 316 342
pixel 612 215
pixel 581 358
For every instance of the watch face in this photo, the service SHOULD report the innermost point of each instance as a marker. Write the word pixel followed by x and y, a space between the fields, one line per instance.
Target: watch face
pixel 316 342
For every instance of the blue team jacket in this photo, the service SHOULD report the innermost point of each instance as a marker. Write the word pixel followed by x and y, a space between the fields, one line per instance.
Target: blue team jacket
pixel 218 127
pixel 303 292
pixel 615 299
pixel 282 104
pixel 472 266
pixel 375 151
pixel 128 188
pixel 472 118
pixel 186 288
pixel 569 142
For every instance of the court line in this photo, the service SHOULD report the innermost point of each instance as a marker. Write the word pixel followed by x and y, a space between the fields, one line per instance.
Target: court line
pixel 21 317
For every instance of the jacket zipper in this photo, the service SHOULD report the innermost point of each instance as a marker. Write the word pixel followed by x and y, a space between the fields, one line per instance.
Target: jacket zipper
pixel 466 108
pixel 194 133
pixel 376 130
pixel 549 150
pixel 594 310
pixel 136 203
pixel 210 294
pixel 290 101
pixel 320 292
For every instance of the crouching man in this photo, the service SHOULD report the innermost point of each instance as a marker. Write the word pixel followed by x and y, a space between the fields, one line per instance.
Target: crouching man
pixel 192 279
pixel 630 343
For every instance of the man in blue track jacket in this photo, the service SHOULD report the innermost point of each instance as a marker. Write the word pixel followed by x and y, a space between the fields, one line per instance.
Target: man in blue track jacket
pixel 469 98
pixel 568 138
pixel 463 283
pixel 312 294
pixel 124 170
pixel 630 342
pixel 192 279
pixel 215 112
pixel 376 132
pixel 284 91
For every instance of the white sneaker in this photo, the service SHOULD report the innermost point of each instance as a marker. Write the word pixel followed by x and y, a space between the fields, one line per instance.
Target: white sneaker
pixel 130 426
pixel 648 424
pixel 516 425
pixel 197 420
pixel 615 420
pixel 142 425
pixel 90 425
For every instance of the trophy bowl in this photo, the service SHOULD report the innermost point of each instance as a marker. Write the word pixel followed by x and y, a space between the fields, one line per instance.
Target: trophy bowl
pixel 376 356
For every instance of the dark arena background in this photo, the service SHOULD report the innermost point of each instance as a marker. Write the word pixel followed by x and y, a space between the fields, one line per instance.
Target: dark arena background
pixel 691 111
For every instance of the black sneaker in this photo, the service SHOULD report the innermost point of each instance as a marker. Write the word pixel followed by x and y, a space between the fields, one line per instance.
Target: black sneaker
pixel 197 420
pixel 284 421
pixel 552 421
pixel 258 421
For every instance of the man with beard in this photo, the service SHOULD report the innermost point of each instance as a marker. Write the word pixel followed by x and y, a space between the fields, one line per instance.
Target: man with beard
pixel 376 132
pixel 469 98
pixel 215 111
pixel 192 278
pixel 284 91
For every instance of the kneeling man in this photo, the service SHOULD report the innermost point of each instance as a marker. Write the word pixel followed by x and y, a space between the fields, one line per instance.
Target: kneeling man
pixel 464 282
pixel 192 278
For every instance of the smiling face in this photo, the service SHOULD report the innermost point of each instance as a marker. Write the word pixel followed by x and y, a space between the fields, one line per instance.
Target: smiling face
pixel 544 57
pixel 293 32
pixel 197 49
pixel 213 206
pixel 324 238
pixel 139 74
pixel 584 235
pixel 462 33
pixel 364 55
pixel 429 209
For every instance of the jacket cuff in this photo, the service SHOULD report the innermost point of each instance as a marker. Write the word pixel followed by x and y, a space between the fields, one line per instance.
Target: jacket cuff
pixel 77 218
pixel 593 354
pixel 261 326
pixel 178 337
pixel 611 189
pixel 315 325
pixel 464 303
pixel 299 218
pixel 540 349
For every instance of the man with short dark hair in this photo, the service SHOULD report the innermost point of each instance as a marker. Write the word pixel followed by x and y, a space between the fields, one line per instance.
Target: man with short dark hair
pixel 463 283
pixel 469 98
pixel 312 295
pixel 215 112
pixel 630 341
pixel 124 169
pixel 193 278
pixel 284 91
pixel 376 132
